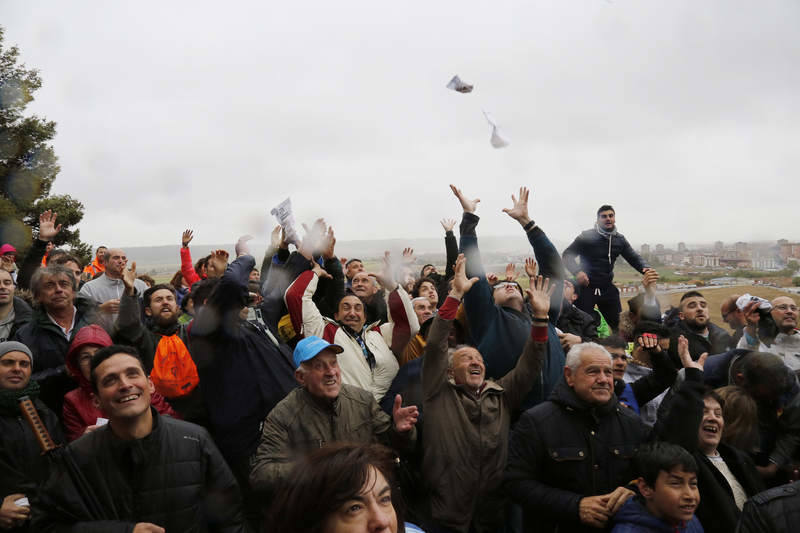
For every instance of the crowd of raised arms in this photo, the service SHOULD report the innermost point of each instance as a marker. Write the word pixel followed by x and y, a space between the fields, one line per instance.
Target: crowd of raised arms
pixel 309 395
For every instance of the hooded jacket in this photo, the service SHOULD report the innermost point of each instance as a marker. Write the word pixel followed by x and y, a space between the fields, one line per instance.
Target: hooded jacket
pixel 633 517
pixel 79 410
pixel 598 253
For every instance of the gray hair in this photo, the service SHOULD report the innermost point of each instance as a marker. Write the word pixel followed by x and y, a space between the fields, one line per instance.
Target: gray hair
pixel 47 272
pixel 453 350
pixel 576 352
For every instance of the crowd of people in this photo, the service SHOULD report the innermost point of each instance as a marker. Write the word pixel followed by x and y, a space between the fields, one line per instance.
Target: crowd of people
pixel 309 395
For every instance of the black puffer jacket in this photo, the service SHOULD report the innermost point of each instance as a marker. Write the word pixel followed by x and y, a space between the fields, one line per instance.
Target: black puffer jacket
pixel 563 450
pixel 22 467
pixel 598 254
pixel 175 478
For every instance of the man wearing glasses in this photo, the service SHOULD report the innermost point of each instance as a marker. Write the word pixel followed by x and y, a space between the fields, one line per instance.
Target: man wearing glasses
pixel 787 343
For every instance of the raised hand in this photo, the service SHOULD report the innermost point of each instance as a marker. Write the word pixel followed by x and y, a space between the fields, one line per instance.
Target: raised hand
pixel 310 243
pixel 386 276
pixel 404 417
pixel 461 285
pixel 582 278
pixel 650 279
pixel 686 357
pixel 531 268
pixel 649 341
pixel 511 272
pixel 217 264
pixel 47 226
pixel 242 248
pixel 539 294
pixel 129 279
pixel 187 237
pixel 469 206
pixel 519 211
pixel 408 256
pixel 492 278
pixel 328 244
pixel 448 224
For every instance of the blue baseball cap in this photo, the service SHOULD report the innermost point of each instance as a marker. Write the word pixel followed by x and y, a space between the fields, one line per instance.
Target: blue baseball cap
pixel 310 347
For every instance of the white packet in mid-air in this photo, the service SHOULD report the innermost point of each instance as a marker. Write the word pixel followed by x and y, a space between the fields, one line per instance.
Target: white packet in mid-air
pixel 498 140
pixel 283 214
pixel 459 86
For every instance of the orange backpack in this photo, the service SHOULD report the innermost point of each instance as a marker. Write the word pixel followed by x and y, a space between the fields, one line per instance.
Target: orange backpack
pixel 174 373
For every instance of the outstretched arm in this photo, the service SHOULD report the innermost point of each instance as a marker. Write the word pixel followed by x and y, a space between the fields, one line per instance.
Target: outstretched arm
pixel 47 232
pixel 187 269
pixel 546 254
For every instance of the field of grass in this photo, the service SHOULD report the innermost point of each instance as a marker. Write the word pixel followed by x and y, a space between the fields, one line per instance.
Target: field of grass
pixel 715 297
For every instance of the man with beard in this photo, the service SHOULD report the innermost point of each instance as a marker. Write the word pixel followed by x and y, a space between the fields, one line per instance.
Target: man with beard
pixel 787 343
pixel 162 337
pixel 695 324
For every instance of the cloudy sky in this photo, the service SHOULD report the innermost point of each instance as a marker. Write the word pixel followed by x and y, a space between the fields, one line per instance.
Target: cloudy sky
pixel 684 115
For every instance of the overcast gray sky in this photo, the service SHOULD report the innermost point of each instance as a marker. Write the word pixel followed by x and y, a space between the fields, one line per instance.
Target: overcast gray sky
pixel 206 114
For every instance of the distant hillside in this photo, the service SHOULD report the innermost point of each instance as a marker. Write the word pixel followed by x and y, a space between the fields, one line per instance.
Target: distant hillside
pixel 163 259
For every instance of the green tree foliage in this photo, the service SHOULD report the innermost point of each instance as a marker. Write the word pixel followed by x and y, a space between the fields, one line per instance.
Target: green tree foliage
pixel 28 164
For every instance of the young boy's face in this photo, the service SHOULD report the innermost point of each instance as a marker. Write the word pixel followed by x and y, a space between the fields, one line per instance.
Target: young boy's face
pixel 674 497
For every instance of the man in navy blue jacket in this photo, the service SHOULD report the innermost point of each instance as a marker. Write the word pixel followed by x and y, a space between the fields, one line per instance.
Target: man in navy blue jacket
pixel 598 249
pixel 499 321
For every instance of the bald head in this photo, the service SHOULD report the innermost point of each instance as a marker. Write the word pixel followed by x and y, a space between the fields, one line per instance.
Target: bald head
pixel 784 312
pixel 115 262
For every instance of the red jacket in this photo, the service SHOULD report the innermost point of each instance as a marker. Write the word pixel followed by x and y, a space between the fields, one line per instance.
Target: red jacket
pixel 79 410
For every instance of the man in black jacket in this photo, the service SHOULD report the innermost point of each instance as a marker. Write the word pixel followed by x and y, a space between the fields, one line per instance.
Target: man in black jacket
pixel 58 315
pixel 141 472
pixel 571 456
pixel 21 463
pixel 695 324
pixel 598 249
pixel 14 312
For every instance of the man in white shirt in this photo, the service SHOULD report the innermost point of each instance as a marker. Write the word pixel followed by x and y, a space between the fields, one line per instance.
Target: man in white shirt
pixel 787 343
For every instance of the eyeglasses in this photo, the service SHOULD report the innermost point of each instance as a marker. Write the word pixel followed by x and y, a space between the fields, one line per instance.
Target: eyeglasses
pixel 786 307
pixel 504 284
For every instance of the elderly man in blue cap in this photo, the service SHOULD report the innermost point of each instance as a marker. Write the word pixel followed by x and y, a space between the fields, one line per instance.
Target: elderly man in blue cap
pixel 324 410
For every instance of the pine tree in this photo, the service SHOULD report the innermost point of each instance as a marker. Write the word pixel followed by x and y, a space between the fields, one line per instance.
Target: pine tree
pixel 28 163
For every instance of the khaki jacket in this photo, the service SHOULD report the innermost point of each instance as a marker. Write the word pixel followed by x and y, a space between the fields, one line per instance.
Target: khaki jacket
pixel 466 436
pixel 300 423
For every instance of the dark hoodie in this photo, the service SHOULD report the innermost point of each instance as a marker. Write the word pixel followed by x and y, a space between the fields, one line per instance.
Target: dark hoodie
pixel 634 517
pixel 79 409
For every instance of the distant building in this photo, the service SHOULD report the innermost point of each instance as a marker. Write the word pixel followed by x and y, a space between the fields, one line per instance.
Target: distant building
pixel 659 248
pixel 788 250
pixel 645 249
pixel 682 247
pixel 719 246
